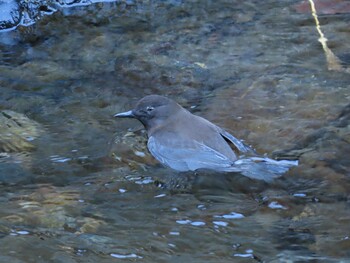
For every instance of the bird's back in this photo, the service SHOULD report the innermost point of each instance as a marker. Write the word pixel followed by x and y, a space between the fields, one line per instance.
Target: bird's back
pixel 189 142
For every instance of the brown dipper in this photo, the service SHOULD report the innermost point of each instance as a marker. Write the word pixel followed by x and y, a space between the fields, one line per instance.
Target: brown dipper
pixel 186 142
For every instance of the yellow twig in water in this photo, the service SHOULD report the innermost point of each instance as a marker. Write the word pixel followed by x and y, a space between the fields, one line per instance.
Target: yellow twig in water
pixel 332 60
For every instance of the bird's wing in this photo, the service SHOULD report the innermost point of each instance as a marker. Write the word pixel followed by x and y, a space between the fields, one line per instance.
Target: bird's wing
pixel 203 157
pixel 192 157
pixel 239 144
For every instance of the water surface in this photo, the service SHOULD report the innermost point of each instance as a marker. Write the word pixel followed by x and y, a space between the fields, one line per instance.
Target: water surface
pixel 88 190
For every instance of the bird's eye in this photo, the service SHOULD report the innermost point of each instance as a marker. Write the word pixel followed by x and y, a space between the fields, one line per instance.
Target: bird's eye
pixel 150 108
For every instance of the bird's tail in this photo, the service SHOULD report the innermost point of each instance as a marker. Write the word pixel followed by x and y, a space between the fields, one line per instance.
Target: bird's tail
pixel 262 168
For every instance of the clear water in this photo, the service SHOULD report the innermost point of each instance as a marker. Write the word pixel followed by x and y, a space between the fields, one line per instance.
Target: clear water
pixel 89 191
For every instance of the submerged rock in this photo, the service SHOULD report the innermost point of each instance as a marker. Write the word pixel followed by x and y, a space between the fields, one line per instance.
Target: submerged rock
pixel 326 147
pixel 54 208
pixel 17 132
pixel 132 150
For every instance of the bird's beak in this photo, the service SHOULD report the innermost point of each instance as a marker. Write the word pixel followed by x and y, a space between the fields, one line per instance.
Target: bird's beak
pixel 127 114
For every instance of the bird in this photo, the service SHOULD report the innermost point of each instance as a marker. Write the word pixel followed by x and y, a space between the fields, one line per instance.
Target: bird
pixel 186 142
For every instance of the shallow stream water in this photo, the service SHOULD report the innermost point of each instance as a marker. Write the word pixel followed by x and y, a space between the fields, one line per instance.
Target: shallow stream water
pixel 87 190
